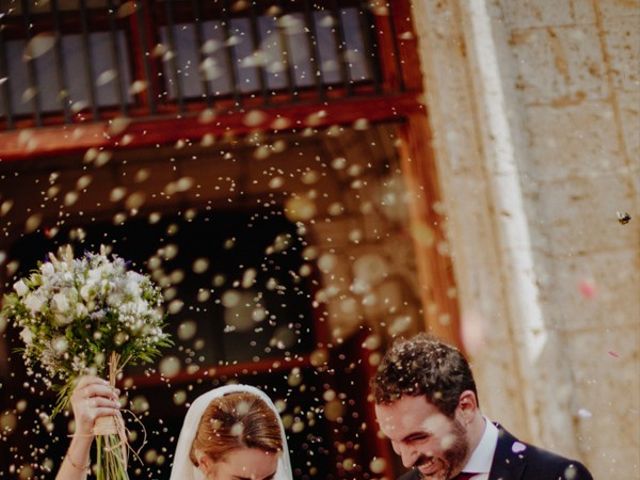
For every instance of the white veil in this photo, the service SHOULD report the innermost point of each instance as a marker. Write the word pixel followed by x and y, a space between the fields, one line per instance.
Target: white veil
pixel 183 468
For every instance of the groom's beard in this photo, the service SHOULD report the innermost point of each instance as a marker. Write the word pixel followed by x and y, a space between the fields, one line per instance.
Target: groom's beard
pixel 452 458
pixel 442 474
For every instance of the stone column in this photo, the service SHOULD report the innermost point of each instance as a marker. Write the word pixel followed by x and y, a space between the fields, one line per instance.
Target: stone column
pixel 531 105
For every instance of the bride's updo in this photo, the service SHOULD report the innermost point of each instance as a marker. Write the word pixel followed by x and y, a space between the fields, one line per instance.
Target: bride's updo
pixel 233 421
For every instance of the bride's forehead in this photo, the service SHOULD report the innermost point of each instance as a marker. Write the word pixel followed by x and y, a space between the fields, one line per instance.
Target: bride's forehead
pixel 252 463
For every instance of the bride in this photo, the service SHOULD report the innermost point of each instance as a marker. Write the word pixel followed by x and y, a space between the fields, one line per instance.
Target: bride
pixel 229 433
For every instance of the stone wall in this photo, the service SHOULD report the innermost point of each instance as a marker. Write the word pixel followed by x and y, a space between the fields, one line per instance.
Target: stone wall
pixel 535 110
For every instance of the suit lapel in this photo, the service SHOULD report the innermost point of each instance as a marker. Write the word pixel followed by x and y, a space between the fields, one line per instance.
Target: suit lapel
pixel 508 462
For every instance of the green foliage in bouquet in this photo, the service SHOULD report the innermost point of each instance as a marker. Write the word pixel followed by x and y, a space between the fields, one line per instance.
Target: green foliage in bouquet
pixel 74 313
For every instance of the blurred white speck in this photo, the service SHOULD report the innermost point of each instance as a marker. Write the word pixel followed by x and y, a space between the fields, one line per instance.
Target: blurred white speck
pixel 518 447
pixel 584 413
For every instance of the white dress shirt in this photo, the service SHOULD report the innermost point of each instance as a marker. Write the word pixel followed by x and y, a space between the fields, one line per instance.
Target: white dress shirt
pixel 482 457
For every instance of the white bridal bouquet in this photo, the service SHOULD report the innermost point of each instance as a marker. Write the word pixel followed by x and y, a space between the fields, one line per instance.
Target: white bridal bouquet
pixel 88 315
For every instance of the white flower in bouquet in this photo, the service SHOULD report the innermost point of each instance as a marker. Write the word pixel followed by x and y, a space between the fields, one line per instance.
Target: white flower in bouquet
pixel 47 269
pixel 133 288
pixel 114 299
pixel 34 303
pixel 60 345
pixel 87 291
pixel 81 310
pixel 93 277
pixel 26 336
pixel 21 288
pixel 60 303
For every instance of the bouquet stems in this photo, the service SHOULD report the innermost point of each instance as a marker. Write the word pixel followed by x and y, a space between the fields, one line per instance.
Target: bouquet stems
pixel 111 438
pixel 111 464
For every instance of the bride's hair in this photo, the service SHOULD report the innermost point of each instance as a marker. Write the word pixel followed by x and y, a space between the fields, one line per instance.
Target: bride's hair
pixel 236 420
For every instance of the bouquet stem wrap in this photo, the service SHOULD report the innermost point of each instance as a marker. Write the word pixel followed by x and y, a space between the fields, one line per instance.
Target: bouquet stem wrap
pixel 111 437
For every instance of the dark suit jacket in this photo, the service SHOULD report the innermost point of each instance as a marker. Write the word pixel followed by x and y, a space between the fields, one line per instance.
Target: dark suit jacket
pixel 532 463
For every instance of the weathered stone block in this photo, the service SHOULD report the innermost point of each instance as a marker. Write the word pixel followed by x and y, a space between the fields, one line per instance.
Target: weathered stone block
pixel 571 141
pixel 592 291
pixel 618 8
pixel 606 365
pixel 542 13
pixel 559 65
pixel 629 105
pixel 622 37
pixel 580 216
pixel 444 54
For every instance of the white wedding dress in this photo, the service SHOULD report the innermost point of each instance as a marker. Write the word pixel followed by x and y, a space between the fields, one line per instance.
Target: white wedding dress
pixel 183 469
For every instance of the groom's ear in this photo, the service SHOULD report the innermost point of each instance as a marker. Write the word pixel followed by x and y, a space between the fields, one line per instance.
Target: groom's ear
pixel 467 405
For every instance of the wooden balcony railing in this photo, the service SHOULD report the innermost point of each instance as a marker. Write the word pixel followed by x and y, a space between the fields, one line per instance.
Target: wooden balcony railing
pixel 78 61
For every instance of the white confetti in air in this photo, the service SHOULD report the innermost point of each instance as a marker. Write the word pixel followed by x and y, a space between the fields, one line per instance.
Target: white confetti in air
pixel 138 86
pixel 211 46
pixel 126 9
pixel 233 40
pixel 378 465
pixel 584 413
pixel 254 118
pixel 570 473
pixel 39 45
pixel 106 77
pixel 5 207
pixel 33 222
pixel 170 366
pixel 77 107
pixel 518 447
pixel 118 125
pixel 200 265
pixel 327 21
pixel 472 332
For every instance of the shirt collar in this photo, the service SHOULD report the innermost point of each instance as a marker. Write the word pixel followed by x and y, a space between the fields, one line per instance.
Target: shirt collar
pixel 482 457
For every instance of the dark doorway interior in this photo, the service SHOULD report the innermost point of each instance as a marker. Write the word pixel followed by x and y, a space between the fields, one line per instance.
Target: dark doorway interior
pixel 235 299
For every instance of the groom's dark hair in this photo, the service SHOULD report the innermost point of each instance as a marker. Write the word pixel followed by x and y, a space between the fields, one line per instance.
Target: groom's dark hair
pixel 423 365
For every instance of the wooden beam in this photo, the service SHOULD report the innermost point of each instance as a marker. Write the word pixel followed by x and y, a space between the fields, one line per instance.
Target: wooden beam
pixel 407 42
pixel 435 269
pixel 71 139
pixel 267 365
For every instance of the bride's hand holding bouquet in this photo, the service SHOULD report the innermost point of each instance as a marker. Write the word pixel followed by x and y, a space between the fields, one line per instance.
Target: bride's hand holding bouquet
pixel 92 399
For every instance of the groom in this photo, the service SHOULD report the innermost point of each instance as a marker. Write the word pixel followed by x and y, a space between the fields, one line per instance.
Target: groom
pixel 427 405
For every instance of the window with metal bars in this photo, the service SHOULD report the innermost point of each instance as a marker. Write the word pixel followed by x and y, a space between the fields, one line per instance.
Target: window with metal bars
pixel 80 58
pixel 66 56
pixel 283 57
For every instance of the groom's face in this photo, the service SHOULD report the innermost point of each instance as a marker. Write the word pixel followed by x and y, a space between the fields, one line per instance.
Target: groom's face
pixel 426 439
pixel 244 464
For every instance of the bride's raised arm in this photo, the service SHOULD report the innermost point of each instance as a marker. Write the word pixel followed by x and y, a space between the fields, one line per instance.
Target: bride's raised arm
pixel 92 398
